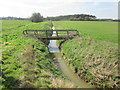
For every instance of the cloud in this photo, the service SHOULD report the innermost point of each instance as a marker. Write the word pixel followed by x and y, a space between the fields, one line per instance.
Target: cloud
pixel 96 3
pixel 24 8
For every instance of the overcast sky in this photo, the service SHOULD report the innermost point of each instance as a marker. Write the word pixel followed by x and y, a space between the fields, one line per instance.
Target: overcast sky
pixel 25 8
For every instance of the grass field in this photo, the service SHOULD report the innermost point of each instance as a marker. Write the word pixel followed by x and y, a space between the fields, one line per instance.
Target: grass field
pixel 107 31
pixel 26 62
pixel 95 53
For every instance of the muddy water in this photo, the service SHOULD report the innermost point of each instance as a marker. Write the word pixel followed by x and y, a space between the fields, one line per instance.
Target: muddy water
pixel 59 61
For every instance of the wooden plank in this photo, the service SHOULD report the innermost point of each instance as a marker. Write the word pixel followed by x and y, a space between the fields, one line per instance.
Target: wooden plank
pixel 50 30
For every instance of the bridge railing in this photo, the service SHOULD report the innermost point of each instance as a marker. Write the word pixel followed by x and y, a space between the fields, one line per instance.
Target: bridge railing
pixel 38 32
pixel 48 33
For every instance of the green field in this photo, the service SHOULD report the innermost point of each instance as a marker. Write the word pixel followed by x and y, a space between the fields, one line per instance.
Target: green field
pixel 95 53
pixel 107 31
pixel 26 62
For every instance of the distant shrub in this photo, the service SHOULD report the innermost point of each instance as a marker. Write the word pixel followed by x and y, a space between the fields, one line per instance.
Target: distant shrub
pixel 36 17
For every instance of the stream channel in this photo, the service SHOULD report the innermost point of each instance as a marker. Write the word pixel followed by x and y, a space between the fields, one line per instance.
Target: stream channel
pixel 66 70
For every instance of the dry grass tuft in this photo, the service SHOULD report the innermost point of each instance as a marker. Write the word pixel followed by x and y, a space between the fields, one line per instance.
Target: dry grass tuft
pixel 6 43
pixel 59 83
pixel 46 74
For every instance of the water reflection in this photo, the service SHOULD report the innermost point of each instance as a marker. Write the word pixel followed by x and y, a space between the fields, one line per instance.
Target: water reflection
pixel 53 49
pixel 52 45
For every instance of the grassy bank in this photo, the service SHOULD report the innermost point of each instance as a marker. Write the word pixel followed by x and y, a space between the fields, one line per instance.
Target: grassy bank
pixel 94 55
pixel 26 62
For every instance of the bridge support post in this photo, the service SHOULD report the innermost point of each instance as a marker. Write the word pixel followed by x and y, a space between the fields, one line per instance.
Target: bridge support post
pixel 57 33
pixel 68 34
pixel 78 33
pixel 46 34
pixel 35 33
pixel 26 32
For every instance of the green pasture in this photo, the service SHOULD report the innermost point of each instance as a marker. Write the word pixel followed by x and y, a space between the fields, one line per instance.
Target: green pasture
pixel 107 31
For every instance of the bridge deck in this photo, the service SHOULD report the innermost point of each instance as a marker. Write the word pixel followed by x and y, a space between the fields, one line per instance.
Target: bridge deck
pixel 57 37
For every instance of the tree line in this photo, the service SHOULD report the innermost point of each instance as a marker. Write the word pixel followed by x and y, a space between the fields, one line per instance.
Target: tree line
pixel 37 17
pixel 75 17
pixel 13 18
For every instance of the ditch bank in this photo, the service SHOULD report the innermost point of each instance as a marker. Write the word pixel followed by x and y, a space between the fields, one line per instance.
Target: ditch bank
pixel 93 61
pixel 65 69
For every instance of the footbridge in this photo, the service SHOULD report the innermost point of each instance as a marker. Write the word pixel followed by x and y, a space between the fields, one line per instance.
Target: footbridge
pixel 51 34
